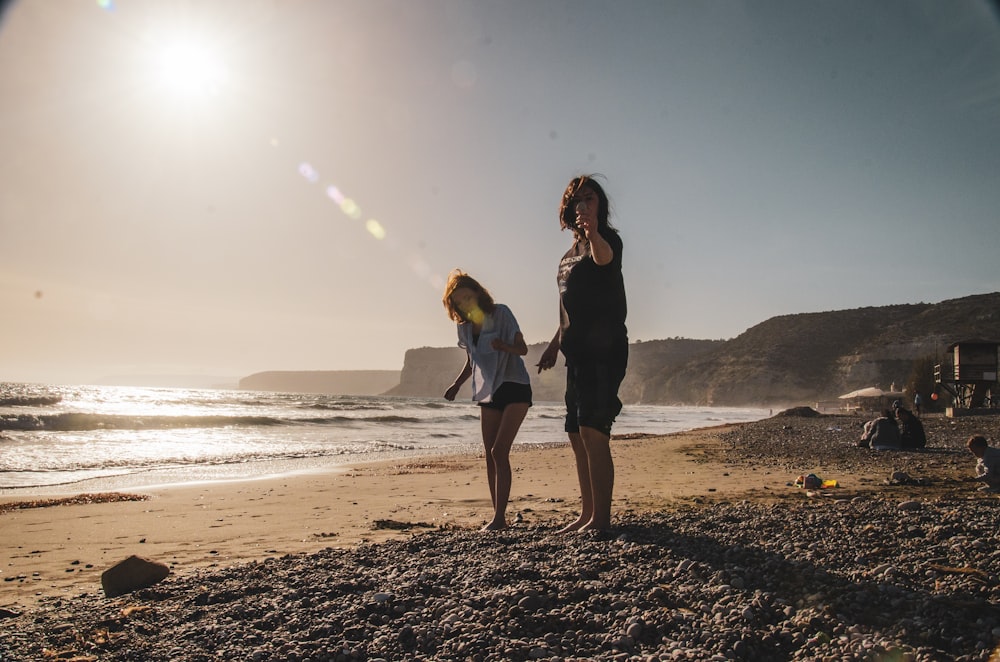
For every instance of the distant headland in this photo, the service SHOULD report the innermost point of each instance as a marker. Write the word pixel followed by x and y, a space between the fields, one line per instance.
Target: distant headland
pixel 786 360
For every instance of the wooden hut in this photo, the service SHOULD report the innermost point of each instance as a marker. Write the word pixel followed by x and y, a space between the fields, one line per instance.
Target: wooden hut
pixel 971 377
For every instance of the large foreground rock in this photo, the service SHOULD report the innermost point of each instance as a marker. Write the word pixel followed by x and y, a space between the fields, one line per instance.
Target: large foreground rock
pixel 132 574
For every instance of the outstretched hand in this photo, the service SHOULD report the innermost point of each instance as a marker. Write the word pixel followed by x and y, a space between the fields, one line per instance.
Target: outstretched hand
pixel 548 358
pixel 585 219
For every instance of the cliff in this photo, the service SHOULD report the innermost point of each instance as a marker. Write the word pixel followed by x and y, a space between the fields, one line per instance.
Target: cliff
pixel 429 371
pixel 786 360
pixel 816 356
pixel 340 382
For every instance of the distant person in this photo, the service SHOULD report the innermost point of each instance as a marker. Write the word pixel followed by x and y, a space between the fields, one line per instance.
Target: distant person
pixel 489 334
pixel 988 466
pixel 911 430
pixel 881 433
pixel 593 339
pixel 918 402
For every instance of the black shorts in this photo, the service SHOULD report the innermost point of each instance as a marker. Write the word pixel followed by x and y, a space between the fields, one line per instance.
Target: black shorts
pixel 508 393
pixel 592 394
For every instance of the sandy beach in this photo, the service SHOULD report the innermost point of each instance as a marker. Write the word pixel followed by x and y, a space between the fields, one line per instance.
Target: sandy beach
pixel 56 549
pixel 62 549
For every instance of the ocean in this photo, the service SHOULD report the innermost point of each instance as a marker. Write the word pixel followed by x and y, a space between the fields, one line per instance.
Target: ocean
pixel 61 439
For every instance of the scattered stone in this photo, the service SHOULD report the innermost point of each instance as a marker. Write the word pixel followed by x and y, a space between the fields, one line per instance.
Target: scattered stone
pixel 775 578
pixel 899 478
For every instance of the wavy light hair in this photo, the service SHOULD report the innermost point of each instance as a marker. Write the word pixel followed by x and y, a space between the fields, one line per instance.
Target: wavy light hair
pixel 458 279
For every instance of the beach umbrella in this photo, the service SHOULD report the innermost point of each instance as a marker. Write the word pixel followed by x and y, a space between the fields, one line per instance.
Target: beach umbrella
pixel 870 392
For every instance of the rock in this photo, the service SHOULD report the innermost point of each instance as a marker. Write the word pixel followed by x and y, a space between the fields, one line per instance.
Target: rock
pixel 132 574
pixel 899 478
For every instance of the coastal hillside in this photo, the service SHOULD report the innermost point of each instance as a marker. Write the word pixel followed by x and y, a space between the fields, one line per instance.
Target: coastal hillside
pixel 786 360
pixel 816 356
pixel 428 371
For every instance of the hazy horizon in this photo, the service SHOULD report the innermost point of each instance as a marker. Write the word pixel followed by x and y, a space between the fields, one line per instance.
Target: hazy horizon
pixel 224 187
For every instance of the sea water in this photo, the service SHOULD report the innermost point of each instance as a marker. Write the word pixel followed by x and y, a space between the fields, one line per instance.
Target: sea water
pixel 67 438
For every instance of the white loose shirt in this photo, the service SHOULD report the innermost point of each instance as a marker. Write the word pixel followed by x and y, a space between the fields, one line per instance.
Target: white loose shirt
pixel 490 367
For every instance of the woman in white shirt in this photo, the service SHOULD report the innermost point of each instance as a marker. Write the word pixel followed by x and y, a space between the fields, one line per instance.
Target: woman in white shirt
pixel 492 339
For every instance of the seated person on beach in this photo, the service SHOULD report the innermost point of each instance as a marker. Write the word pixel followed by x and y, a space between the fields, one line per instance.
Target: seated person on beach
pixel 988 466
pixel 881 433
pixel 911 430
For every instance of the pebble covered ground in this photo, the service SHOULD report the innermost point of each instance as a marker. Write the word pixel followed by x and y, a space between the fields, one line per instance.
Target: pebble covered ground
pixel 908 569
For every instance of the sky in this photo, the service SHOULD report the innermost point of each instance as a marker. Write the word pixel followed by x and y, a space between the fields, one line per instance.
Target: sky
pixel 221 187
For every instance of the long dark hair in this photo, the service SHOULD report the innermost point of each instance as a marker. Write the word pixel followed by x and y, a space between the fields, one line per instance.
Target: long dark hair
pixel 567 210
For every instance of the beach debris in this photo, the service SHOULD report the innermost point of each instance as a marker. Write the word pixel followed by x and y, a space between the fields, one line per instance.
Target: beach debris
pixel 100 497
pixel 135 609
pixel 814 482
pixel 399 526
pixel 964 570
pixel 69 655
pixel 903 478
pixel 132 574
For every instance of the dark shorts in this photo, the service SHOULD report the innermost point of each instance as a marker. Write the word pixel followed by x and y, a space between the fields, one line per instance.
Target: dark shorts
pixel 592 394
pixel 507 394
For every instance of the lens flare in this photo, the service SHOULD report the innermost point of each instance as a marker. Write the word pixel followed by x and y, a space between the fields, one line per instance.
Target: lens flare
pixel 334 194
pixel 474 315
pixel 351 208
pixel 308 172
pixel 375 228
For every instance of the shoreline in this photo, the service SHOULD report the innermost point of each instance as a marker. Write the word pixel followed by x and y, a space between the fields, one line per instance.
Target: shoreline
pixel 62 547
pixel 60 550
pixel 714 553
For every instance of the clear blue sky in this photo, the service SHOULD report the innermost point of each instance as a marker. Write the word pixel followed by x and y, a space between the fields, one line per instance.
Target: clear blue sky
pixel 167 167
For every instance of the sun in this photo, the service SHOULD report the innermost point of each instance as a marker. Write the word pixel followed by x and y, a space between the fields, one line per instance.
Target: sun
pixel 190 69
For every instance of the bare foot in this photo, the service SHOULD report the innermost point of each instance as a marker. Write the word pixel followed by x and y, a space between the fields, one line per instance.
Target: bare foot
pixel 494 526
pixel 575 526
pixel 593 526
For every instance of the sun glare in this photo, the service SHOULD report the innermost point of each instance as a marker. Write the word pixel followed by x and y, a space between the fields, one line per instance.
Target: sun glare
pixel 191 70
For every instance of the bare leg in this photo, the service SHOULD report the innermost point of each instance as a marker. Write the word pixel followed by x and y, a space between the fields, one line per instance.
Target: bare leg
pixel 583 475
pixel 507 424
pixel 602 477
pixel 489 421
